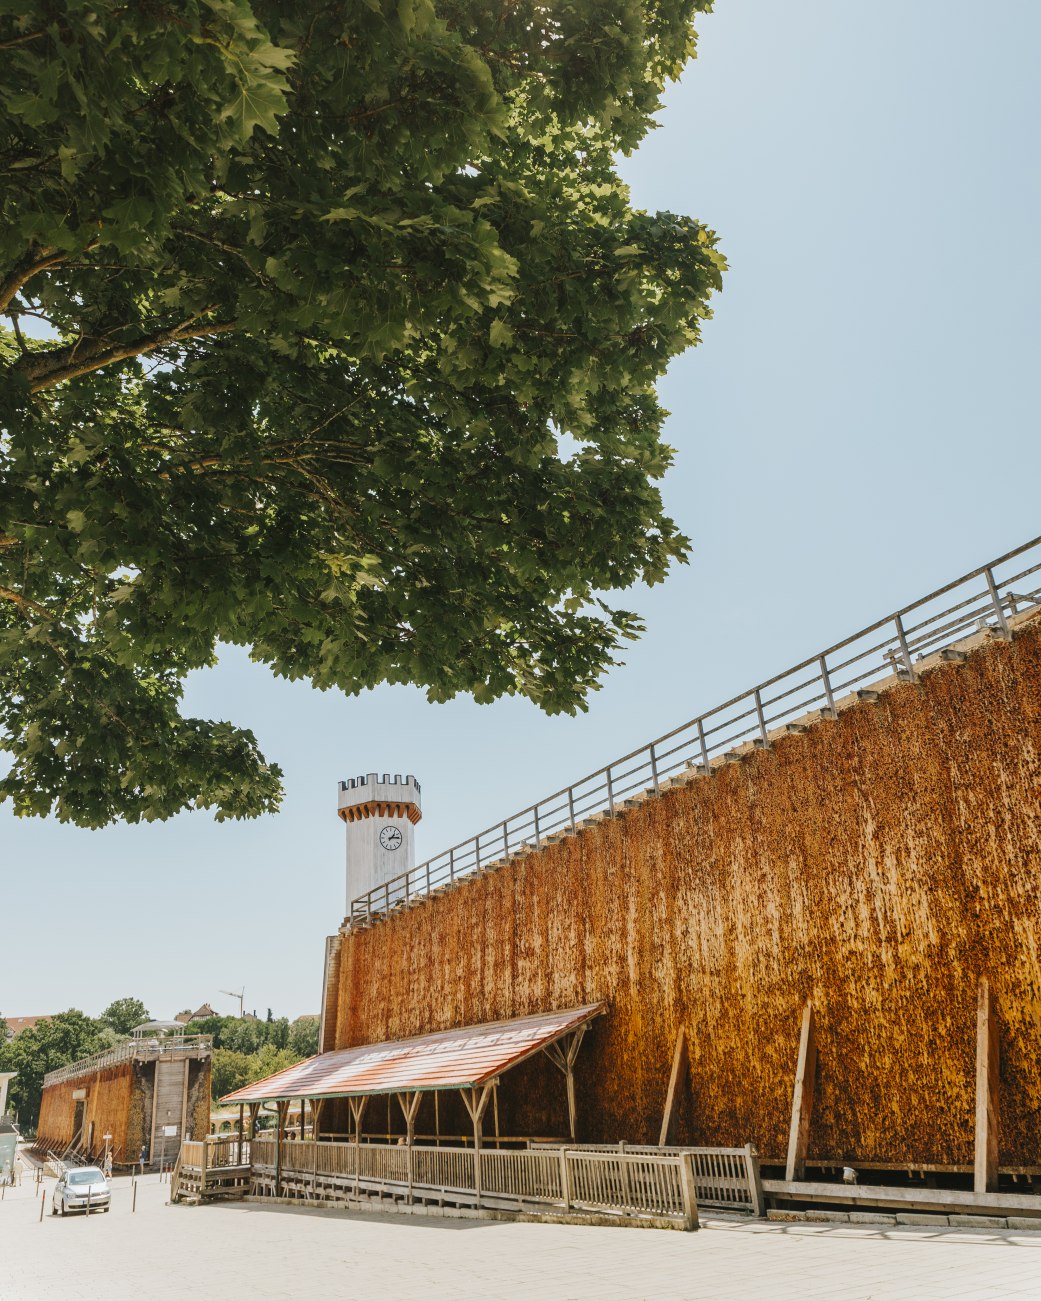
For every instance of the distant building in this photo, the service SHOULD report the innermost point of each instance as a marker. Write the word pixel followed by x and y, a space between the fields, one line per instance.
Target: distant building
pixel 200 1014
pixel 16 1024
pixel 146 1095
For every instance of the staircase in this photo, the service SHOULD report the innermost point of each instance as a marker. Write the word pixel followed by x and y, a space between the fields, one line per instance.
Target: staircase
pixel 171 1086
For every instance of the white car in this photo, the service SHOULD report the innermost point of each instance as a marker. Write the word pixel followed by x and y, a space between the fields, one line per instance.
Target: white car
pixel 76 1187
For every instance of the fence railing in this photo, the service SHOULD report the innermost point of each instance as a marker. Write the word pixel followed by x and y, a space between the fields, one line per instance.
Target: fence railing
pixel 660 1183
pixel 132 1049
pixel 982 601
pixel 726 1178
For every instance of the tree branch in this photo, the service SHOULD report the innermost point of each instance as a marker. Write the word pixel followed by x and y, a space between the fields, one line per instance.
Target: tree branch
pixel 23 602
pixel 31 265
pixel 21 40
pixel 48 369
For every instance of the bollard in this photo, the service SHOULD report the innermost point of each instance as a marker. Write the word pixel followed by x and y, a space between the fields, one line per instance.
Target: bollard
pixel 88 1199
pixel 43 1203
pixel 133 1201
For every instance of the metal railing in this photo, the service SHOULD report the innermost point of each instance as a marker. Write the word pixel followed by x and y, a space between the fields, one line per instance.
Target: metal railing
pixel 983 601
pixel 131 1050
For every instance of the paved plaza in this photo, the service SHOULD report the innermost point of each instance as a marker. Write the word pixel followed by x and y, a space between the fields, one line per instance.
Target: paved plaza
pixel 248 1250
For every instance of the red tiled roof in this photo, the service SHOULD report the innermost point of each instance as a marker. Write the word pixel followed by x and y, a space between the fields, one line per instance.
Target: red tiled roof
pixel 448 1059
pixel 16 1024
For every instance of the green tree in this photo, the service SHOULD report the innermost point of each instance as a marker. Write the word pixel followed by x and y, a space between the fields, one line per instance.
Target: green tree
pixel 229 1070
pixel 44 1047
pixel 124 1014
pixel 269 1060
pixel 346 345
pixel 244 1036
pixel 303 1035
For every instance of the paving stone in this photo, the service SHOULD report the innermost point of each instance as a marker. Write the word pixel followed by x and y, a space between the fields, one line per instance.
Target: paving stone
pixel 977 1221
pixel 1024 1222
pixel 242 1251
pixel 921 1217
pixel 870 1217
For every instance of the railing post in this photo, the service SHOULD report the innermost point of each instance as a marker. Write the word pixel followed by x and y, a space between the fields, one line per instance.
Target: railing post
pixel 428 875
pixel 905 650
pixel 762 719
pixel 535 813
pixel 755 1183
pixel 477 851
pixel 831 711
pixel 505 841
pixel 627 1194
pixel 565 1179
pixel 688 1190
pixel 610 792
pixel 451 866
pixel 571 805
pixel 654 767
pixel 1003 629
pixel 705 765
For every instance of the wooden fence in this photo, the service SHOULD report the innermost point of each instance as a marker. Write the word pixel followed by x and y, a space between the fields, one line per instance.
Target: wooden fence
pixel 664 1185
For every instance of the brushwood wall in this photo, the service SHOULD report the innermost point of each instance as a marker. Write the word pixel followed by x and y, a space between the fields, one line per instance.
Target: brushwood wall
pixel 878 864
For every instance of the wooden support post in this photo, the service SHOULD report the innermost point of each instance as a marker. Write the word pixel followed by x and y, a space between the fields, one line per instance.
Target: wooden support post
pixel 565 1062
pixel 409 1103
pixel 680 1066
pixel 475 1104
pixel 357 1106
pixel 242 1132
pixel 985 1175
pixel 802 1098
pixel 254 1111
pixel 282 1111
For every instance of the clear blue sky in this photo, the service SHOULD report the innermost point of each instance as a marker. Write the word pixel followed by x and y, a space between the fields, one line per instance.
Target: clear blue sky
pixel 858 427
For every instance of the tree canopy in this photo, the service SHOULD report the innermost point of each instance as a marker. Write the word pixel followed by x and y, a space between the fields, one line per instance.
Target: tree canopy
pixel 125 1014
pixel 52 1042
pixel 328 330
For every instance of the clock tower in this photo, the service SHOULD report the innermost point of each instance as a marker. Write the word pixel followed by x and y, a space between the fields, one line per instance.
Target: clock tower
pixel 380 814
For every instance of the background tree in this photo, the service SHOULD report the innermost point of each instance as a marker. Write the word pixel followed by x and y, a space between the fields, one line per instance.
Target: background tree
pixel 303 1036
pixel 346 343
pixel 123 1014
pixel 44 1047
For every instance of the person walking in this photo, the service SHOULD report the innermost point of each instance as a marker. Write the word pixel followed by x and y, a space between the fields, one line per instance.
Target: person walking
pixel 108 1165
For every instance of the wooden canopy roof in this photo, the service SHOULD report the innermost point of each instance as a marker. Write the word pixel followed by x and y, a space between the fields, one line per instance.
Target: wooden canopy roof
pixel 448 1059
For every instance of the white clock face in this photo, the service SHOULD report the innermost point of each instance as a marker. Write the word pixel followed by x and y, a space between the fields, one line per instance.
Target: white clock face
pixel 390 837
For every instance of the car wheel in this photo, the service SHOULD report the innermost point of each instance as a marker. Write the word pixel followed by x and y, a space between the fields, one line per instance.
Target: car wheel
pixel 61 1208
pixel 54 1209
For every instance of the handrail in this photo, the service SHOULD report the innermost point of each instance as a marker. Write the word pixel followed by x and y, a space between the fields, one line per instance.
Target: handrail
pixel 891 646
pixel 132 1049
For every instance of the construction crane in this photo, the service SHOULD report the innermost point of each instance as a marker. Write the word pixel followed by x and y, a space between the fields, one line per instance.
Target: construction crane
pixel 231 993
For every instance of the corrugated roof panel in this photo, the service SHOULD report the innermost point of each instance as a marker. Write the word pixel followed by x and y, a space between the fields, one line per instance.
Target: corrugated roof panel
pixel 448 1059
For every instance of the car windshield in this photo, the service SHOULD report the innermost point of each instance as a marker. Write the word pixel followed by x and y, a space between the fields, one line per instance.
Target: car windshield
pixel 88 1176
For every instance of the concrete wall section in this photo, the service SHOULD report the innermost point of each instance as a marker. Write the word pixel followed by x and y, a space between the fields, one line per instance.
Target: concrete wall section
pixel 879 864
